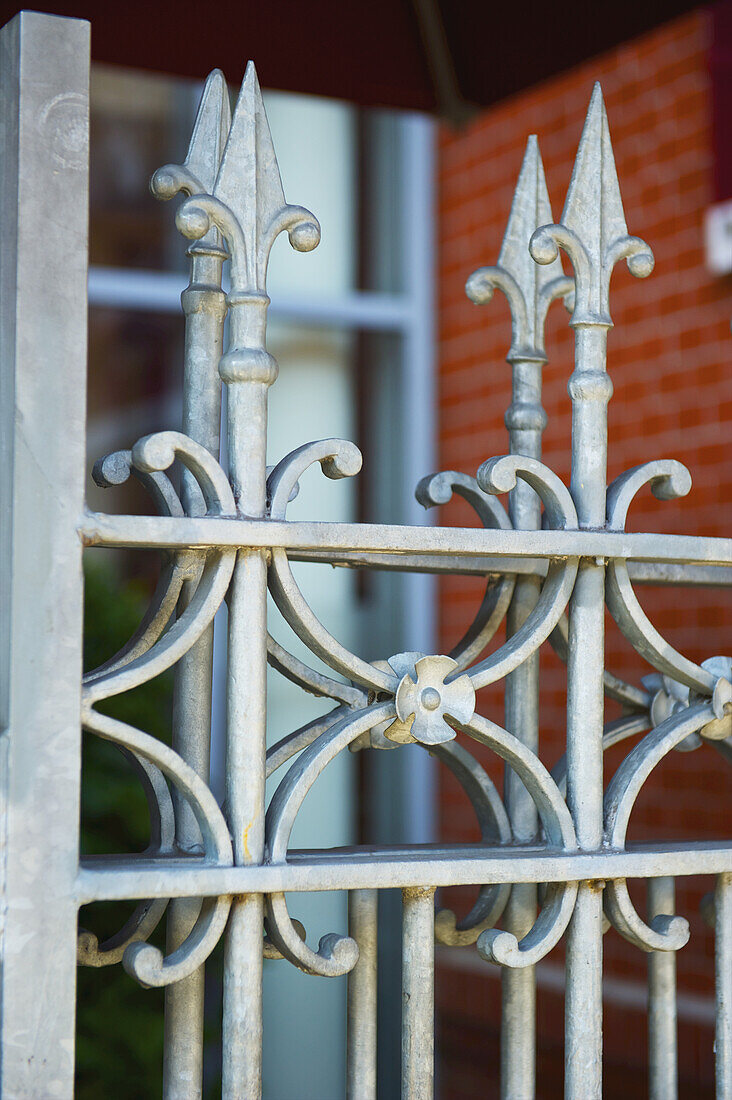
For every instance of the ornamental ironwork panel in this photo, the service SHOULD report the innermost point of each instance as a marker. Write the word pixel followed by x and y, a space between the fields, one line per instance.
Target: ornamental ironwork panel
pixel 553 862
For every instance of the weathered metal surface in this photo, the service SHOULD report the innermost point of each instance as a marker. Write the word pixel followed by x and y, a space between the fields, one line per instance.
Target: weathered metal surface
pixel 44 110
pixel 227 872
pixel 204 307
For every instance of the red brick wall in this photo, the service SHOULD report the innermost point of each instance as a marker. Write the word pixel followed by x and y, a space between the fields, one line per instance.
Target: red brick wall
pixel 669 359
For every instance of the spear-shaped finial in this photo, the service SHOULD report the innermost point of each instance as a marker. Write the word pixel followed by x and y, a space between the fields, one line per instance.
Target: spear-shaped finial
pixel 530 289
pixel 197 174
pixel 247 203
pixel 592 230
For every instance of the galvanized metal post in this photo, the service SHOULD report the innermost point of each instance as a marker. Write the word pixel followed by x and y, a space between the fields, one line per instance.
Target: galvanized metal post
pixel 44 111
pixel 248 372
pixel 248 208
pixel 662 1043
pixel 204 308
pixel 361 1036
pixel 530 289
pixel 418 993
pixel 594 234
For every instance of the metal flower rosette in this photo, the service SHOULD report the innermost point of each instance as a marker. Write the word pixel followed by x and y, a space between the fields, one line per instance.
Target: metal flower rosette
pixel 226 535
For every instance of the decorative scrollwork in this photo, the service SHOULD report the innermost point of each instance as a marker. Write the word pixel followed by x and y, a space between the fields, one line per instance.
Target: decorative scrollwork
pixel 498 475
pixel 495 829
pixel 503 947
pixel 336 954
pixel 424 701
pixel 338 458
pixel 666 933
pixel 300 739
pixel 620 730
pixel 150 455
pixel 437 489
pixel 309 679
pixel 115 469
pixel 141 960
pixel 668 480
pixel 147 915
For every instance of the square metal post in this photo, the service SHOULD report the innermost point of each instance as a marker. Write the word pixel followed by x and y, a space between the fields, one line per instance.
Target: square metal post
pixel 44 109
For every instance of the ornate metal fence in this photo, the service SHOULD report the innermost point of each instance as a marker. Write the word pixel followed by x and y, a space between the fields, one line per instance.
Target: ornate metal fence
pixel 553 860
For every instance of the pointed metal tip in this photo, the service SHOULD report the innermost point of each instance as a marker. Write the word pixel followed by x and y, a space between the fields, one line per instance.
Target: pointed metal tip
pixel 209 130
pixel 532 156
pixel 597 100
pixel 251 80
pixel 530 208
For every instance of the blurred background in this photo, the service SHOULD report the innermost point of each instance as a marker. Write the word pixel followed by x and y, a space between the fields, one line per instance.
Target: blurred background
pixel 402 125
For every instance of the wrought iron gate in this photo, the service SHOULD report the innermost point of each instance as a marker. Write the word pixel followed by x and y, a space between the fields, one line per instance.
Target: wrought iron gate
pixel 553 860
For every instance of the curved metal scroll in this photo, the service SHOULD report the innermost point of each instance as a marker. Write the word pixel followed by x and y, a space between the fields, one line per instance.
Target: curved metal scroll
pixel 314 682
pixel 503 947
pixel 666 932
pixel 338 458
pixel 147 915
pixel 141 960
pixel 301 738
pixel 115 469
pixel 495 829
pixel 438 489
pixel 336 954
pixel 668 480
pixel 498 475
pixel 152 454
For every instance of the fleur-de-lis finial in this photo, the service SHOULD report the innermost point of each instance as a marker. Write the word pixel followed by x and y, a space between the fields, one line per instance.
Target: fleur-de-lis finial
pixel 592 230
pixel 197 174
pixel 530 289
pixel 247 203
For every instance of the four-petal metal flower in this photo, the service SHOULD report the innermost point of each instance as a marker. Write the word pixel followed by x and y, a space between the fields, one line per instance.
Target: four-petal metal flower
pixel 669 697
pixel 424 700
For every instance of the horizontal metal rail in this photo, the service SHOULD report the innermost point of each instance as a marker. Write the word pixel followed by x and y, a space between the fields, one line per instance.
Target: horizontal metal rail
pixel 110 878
pixel 650 573
pixel 169 532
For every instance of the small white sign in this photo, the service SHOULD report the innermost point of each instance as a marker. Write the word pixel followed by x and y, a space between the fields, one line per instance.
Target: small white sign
pixel 718 237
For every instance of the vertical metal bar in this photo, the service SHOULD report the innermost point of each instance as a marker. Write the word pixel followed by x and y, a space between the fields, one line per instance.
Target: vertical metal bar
pixel 662 1039
pixel 44 117
pixel 418 993
pixel 417 220
pixel 723 980
pixel 525 420
pixel 590 390
pixel 594 234
pixel 246 703
pixel 204 306
pixel 530 289
pixel 362 1028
